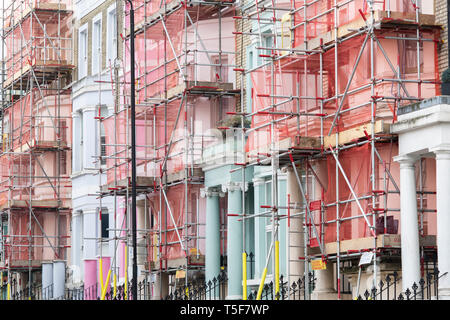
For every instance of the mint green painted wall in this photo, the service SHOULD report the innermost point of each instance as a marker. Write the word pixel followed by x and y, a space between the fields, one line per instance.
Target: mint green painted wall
pixel 222 175
pixel 282 202
pixel 257 239
pixel 259 231
pixel 249 228
pixel 263 239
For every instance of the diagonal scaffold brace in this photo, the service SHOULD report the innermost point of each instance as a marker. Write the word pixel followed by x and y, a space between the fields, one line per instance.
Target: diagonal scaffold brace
pixel 308 212
pixel 371 228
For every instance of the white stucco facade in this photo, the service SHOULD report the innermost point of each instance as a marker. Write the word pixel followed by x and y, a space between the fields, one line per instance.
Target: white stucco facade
pixel 424 131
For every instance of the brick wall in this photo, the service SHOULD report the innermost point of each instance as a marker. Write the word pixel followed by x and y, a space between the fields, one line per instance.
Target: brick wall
pixel 242 41
pixel 102 8
pixel 441 18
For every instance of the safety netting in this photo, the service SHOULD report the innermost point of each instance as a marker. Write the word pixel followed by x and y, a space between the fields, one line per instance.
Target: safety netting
pixel 314 19
pixel 27 243
pixel 177 224
pixel 161 138
pixel 37 135
pixel 288 95
pixel 385 215
pixel 145 9
pixel 158 55
pixel 41 39
pixel 173 116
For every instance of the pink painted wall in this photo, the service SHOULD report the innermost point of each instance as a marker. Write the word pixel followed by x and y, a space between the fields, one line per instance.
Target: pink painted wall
pixel 106 264
pixel 121 225
pixel 208 31
pixel 90 278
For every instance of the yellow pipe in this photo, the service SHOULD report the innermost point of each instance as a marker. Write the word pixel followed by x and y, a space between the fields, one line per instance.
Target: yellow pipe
pixel 261 284
pixel 115 284
pixel 8 291
pixel 277 269
pixel 244 275
pixel 106 285
pixel 126 272
pixel 101 273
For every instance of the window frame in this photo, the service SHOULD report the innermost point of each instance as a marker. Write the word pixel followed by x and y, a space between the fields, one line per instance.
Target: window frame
pixel 111 36
pixel 83 61
pixel 96 57
pixel 104 223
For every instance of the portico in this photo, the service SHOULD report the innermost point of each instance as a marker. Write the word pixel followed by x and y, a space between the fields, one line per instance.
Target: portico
pixel 424 132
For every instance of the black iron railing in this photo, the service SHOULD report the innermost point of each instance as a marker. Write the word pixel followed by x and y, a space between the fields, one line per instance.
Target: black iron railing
pixel 216 289
pixel 387 289
pixel 296 290
pixel 199 290
pixel 426 289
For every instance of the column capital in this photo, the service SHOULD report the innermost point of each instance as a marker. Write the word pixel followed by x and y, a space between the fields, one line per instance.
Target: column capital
pixel 211 192
pixel 234 186
pixel 441 151
pixel 258 181
pixel 406 160
pixel 89 109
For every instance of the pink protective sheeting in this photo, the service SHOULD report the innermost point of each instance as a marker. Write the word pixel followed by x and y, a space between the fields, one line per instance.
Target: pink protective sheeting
pixel 90 279
pixel 320 15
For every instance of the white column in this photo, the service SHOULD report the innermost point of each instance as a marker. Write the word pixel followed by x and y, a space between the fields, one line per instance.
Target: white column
pixel 409 223
pixel 296 232
pixel 160 286
pixel 89 234
pixel 47 280
pixel 76 236
pixel 59 279
pixel 324 287
pixel 141 237
pixel 443 217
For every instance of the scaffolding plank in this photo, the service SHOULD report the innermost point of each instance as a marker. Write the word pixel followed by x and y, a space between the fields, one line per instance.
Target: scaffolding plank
pixel 47 66
pixel 40 144
pixel 305 143
pixel 381 18
pixel 33 6
pixel 13 203
pixel 195 87
pixel 181 175
pixel 141 181
pixel 350 135
pixel 383 241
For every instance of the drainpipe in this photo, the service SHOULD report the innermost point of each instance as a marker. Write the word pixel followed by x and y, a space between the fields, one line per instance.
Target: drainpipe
pixel 133 153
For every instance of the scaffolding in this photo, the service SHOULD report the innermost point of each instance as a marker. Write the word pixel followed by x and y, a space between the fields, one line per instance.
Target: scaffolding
pixel 35 188
pixel 185 55
pixel 330 78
